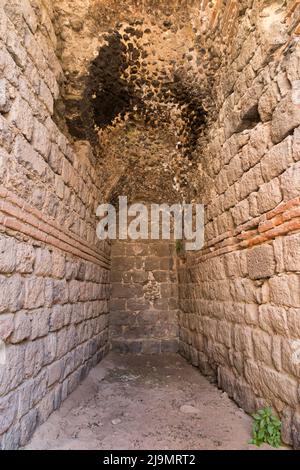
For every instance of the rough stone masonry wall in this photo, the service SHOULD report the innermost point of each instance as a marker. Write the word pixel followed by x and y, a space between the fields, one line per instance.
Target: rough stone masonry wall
pixel 240 296
pixel 144 303
pixel 54 274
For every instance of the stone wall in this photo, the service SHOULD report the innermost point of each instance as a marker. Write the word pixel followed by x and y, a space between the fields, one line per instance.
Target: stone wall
pixel 144 303
pixel 240 296
pixel 54 273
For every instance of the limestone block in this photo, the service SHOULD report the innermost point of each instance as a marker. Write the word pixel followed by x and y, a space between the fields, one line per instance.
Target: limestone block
pixel 9 68
pixel 262 346
pixel 34 293
pixel 268 102
pixel 282 386
pixel 28 425
pixel 8 410
pixel 8 249
pixel 21 116
pixel 15 47
pixel 285 290
pixel 296 431
pixel 261 262
pixel 269 196
pixel 46 407
pixel 290 182
pixel 74 291
pixel 34 358
pixel 59 186
pixel 39 323
pixel 251 181
pixel 56 159
pixel 11 294
pixel 43 262
pixel 293 321
pixel 286 425
pixel 277 160
pixel 296 144
pixel 41 139
pixel 26 156
pixel 3 24
pixel 251 314
pixel 276 352
pixel 4 97
pixel 50 348
pixel 77 314
pixel 241 212
pixel 60 292
pixel 25 258
pixel 46 97
pixel 35 52
pixel 243 341
pixel 292 252
pixel 6 326
pixel 286 117
pixel 59 265
pixel 22 327
pixel 12 373
pixel 273 319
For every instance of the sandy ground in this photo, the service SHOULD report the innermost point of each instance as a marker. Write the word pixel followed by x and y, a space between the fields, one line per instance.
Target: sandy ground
pixel 145 402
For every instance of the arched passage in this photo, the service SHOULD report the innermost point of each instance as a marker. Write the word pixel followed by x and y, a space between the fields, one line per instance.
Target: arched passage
pixel 194 101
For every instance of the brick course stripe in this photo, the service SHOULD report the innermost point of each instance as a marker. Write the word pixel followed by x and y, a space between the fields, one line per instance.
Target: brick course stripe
pixel 17 215
pixel 281 221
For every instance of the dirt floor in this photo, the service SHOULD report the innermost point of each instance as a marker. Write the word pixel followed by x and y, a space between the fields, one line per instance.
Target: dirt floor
pixel 145 402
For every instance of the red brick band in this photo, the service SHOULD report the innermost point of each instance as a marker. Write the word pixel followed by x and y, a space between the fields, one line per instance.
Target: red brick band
pixel 278 222
pixel 19 216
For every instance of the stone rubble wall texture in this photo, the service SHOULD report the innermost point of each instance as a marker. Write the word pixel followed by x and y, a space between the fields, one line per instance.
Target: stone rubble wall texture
pixel 54 273
pixel 144 302
pixel 240 296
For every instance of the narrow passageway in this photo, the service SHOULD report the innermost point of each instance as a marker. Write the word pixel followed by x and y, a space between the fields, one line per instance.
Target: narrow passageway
pixel 145 402
pixel 174 126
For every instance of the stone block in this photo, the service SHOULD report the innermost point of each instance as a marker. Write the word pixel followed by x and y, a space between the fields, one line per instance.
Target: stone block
pixel 290 182
pixel 293 322
pixel 39 323
pixel 34 293
pixel 8 410
pixel 261 262
pixel 6 326
pixel 59 265
pixel 262 346
pixel 41 139
pixel 5 103
pixel 74 291
pixel 269 196
pixel 25 257
pixel 291 246
pixel 273 319
pixel 286 117
pixel 34 358
pixel 27 157
pixel 43 262
pixel 60 292
pixel 28 426
pixel 3 24
pixel 55 159
pixel 22 327
pixel 296 431
pixel 285 290
pixel 277 160
pixel 8 250
pixel 21 116
pixel 11 294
